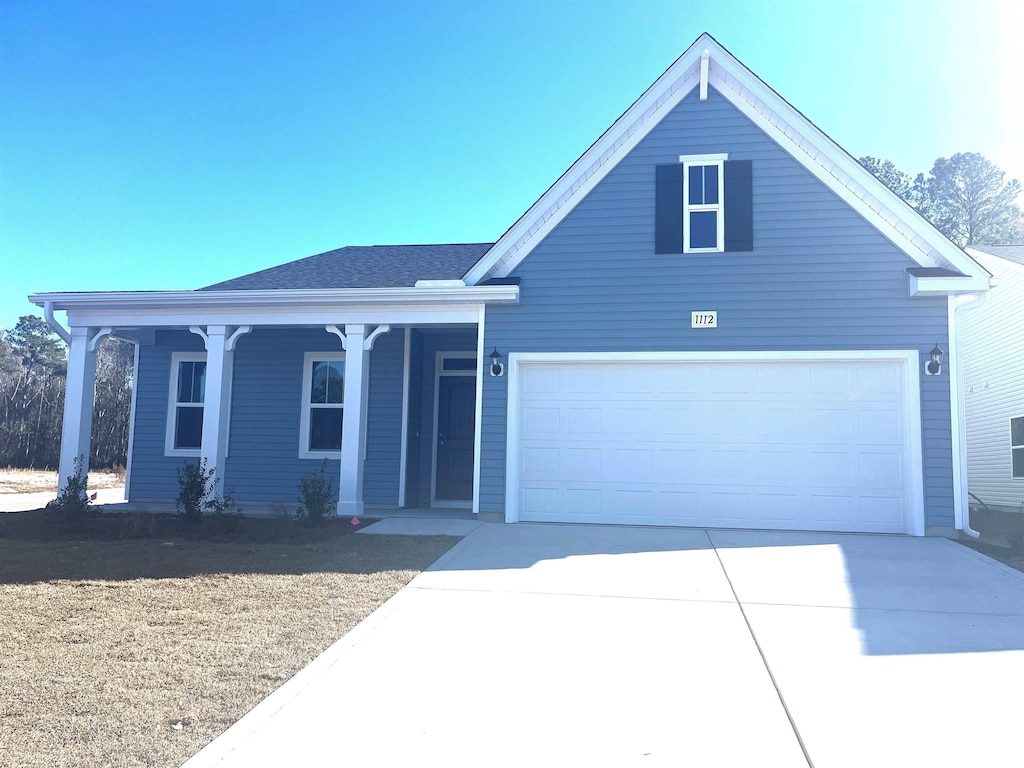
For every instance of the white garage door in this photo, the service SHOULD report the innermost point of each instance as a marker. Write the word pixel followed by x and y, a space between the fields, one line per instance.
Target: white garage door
pixel 824 443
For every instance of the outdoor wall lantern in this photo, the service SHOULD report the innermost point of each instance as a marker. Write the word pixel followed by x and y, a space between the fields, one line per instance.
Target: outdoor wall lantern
pixel 934 366
pixel 497 369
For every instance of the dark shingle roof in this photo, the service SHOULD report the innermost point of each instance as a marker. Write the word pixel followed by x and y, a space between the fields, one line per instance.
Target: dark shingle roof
pixel 1009 252
pixel 363 266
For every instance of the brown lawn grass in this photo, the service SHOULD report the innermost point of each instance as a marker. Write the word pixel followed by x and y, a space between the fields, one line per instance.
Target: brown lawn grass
pixel 39 480
pixel 111 641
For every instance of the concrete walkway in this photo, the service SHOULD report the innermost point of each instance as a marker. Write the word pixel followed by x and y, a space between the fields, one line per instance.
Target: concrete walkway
pixel 570 645
pixel 26 502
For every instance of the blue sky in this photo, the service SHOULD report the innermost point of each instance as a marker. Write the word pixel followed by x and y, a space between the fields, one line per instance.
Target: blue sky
pixel 173 144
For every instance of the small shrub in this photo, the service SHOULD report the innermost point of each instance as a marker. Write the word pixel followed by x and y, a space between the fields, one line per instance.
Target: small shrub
pixel 316 496
pixel 73 499
pixel 197 486
pixel 1016 536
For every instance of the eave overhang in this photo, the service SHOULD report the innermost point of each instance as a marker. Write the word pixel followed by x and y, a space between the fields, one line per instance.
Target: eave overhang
pixel 276 307
pixel 944 282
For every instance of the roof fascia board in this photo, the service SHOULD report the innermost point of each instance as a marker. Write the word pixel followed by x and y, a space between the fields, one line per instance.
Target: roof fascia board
pixel 138 318
pixel 811 147
pixel 947 286
pixel 591 167
pixel 191 301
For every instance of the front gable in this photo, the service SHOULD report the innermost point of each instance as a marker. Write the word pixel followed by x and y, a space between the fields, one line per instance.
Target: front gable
pixel 710 77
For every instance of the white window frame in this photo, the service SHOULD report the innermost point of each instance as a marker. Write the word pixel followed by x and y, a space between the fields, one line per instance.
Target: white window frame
pixel 307 407
pixel 1014 447
pixel 717 161
pixel 172 403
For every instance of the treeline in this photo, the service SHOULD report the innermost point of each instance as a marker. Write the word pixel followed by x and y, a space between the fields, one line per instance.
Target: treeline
pixel 33 372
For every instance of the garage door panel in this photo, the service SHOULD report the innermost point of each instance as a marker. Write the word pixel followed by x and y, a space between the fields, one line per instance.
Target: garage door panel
pixel 812 445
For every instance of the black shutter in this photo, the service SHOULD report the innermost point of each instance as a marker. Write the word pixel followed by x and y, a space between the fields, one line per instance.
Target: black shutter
pixel 668 209
pixel 739 205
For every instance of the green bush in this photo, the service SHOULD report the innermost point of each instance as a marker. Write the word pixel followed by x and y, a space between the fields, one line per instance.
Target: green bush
pixel 316 496
pixel 73 499
pixel 197 486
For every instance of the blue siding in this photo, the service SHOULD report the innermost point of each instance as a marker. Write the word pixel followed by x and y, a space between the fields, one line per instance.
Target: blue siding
pixel 819 278
pixel 153 474
pixel 263 463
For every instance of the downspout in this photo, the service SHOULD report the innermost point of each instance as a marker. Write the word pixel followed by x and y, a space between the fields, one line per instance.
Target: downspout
pixel 961 507
pixel 51 321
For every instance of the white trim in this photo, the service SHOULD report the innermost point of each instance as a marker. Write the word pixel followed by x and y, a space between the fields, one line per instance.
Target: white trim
pixel 715 157
pixel 705 62
pixel 785 125
pixel 481 361
pixel 172 404
pixel 183 317
pixel 403 465
pixel 914 483
pixel 131 420
pixel 1013 446
pixel 716 208
pixel 254 302
pixel 306 406
pixel 439 358
pixel 955 306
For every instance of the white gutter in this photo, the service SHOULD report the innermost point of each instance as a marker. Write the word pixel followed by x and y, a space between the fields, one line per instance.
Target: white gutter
pixel 961 506
pixel 327 297
pixel 51 321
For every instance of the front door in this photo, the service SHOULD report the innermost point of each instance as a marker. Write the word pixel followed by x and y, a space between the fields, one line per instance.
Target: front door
pixel 456 417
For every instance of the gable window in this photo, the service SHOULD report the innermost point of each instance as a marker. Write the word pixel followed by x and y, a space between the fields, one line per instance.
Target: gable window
pixel 1017 446
pixel 704 204
pixel 703 225
pixel 187 395
pixel 323 405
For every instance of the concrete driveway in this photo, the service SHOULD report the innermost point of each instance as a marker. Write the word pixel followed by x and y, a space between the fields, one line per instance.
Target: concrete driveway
pixel 546 645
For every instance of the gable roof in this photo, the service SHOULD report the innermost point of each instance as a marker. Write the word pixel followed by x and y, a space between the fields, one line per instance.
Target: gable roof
pixel 810 146
pixel 357 266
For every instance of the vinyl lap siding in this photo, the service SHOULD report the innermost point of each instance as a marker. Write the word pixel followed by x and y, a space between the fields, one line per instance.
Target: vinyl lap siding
pixel 993 353
pixel 153 474
pixel 263 463
pixel 819 278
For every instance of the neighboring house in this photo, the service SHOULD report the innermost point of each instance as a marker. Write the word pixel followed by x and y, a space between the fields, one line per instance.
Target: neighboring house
pixel 715 317
pixel 993 344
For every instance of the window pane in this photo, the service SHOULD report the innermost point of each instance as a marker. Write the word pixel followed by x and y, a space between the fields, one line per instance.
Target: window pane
pixel 328 382
pixel 188 428
pixel 703 229
pixel 199 382
pixel 711 184
pixel 191 382
pixel 325 429
pixel 696 181
pixel 1018 462
pixel 184 382
pixel 1017 431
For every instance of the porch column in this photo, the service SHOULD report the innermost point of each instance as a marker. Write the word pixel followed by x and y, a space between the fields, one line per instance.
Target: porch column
pixel 353 426
pixel 79 392
pixel 215 404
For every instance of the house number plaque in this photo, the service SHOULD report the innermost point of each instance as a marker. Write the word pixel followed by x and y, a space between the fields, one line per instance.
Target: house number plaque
pixel 704 319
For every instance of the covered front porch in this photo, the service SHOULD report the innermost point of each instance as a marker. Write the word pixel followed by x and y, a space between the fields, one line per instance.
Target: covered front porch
pixel 387 392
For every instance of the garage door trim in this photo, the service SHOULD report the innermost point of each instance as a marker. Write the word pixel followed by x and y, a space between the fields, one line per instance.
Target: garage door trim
pixel 914 483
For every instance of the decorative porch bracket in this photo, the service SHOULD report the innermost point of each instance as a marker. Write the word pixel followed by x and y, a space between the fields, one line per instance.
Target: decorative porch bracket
pixel 220 358
pixel 357 345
